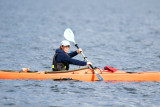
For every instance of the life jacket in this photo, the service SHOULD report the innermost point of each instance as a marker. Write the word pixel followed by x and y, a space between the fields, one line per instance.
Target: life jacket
pixel 59 66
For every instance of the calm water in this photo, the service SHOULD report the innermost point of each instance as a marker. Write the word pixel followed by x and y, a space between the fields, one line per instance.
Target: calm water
pixel 124 34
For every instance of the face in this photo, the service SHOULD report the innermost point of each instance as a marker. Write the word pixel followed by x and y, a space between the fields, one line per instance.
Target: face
pixel 65 48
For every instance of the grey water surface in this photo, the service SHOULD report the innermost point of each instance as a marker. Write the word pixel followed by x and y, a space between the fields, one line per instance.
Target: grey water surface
pixel 124 34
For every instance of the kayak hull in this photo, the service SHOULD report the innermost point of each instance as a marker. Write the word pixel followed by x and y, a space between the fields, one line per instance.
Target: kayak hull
pixel 83 74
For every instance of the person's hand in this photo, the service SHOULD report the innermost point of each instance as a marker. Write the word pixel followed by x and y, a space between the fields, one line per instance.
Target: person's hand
pixel 79 50
pixel 89 63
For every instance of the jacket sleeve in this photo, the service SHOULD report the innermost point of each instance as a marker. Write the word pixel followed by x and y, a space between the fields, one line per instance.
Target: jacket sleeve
pixel 72 54
pixel 67 59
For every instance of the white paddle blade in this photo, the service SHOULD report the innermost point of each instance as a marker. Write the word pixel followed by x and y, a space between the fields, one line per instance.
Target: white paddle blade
pixel 69 35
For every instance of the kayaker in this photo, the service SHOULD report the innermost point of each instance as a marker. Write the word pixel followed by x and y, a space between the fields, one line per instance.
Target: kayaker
pixel 62 58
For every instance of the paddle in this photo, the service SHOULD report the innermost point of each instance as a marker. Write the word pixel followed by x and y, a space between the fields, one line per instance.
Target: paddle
pixel 69 35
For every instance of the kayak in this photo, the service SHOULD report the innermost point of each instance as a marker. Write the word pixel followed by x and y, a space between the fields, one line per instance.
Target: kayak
pixel 82 74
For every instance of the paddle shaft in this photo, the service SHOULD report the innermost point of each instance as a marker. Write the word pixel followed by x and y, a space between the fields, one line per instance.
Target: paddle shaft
pixel 99 77
pixel 82 53
pixel 85 58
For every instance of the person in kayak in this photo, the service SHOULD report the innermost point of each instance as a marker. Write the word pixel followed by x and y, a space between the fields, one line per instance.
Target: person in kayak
pixel 62 58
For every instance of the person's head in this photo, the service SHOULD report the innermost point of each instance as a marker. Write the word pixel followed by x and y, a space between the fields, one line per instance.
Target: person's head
pixel 65 45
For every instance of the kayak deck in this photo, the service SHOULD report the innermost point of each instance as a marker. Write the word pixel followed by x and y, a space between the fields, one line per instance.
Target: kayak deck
pixel 83 74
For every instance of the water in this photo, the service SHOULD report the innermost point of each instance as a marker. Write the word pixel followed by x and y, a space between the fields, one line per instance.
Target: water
pixel 123 33
pixel 46 93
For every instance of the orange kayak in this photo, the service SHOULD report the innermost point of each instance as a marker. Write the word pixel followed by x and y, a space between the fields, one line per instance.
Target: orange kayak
pixel 83 74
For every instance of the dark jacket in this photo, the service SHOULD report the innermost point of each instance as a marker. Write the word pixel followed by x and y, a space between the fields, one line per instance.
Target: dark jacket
pixel 66 59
